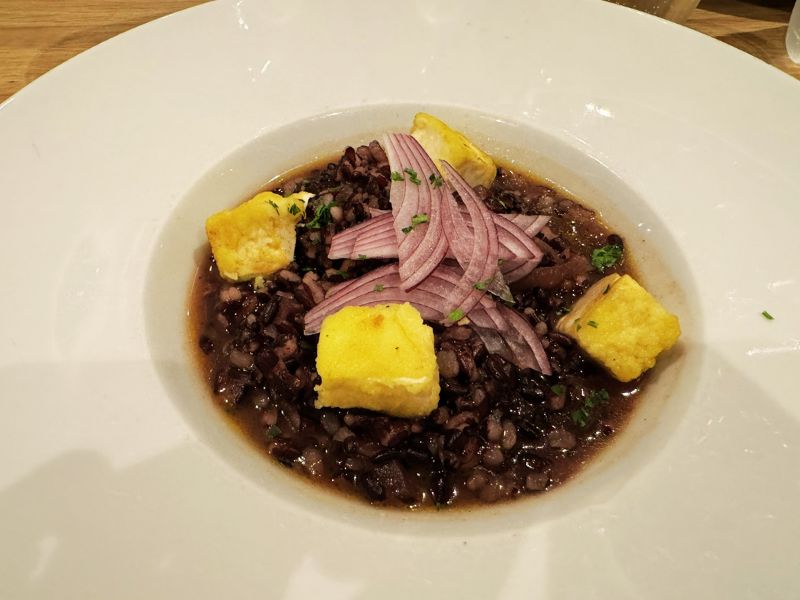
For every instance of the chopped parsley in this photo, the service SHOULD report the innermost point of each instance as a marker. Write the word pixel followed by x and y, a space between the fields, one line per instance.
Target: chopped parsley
pixel 412 175
pixel 592 324
pixel 563 311
pixel 343 274
pixel 294 209
pixel 379 287
pixel 608 287
pixel 415 220
pixel 322 216
pixel 397 176
pixel 419 219
pixel 275 206
pixel 486 283
pixel 362 257
pixel 273 432
pixel 456 315
pixel 606 257
pixel 583 415
pixel 767 316
pixel 436 180
pixel 580 417
pixel 558 389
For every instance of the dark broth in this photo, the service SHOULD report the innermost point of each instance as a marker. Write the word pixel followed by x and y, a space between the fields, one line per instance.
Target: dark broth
pixel 499 433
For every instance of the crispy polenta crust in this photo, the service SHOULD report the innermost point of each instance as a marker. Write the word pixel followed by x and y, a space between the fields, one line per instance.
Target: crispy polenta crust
pixel 380 358
pixel 620 325
pixel 256 238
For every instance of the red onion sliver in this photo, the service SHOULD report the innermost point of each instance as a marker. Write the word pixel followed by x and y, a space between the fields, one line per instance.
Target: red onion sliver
pixel 521 325
pixel 514 339
pixel 482 265
pixel 422 248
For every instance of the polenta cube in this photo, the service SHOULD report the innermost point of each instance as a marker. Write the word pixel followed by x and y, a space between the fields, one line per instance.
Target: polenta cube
pixel 380 358
pixel 256 238
pixel 443 143
pixel 621 326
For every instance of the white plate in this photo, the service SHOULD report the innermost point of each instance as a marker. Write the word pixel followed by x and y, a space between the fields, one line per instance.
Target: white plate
pixel 117 479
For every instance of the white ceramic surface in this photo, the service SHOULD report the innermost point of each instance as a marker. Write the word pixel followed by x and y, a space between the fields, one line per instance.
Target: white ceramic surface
pixel 117 484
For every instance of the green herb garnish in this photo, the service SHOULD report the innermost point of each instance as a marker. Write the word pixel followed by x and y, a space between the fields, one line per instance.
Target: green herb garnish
pixel 419 219
pixel 558 389
pixel 767 316
pixel 607 256
pixel 592 324
pixel 397 176
pixel 486 283
pixel 415 220
pixel 378 287
pixel 294 209
pixel 583 415
pixel 580 417
pixel 322 216
pixel 343 274
pixel 563 311
pixel 412 175
pixel 596 397
pixel 608 287
pixel 436 180
pixel 275 206
pixel 362 257
pixel 273 432
pixel 456 315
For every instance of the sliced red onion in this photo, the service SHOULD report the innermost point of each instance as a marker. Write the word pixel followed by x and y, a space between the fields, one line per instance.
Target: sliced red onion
pixel 377 212
pixel 482 264
pixel 514 339
pixel 377 241
pixel 523 327
pixel 459 233
pixel 348 294
pixel 424 246
pixel 530 224
pixel 490 316
pixel 370 239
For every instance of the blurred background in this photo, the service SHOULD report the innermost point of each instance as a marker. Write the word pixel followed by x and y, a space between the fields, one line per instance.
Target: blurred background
pixel 37 35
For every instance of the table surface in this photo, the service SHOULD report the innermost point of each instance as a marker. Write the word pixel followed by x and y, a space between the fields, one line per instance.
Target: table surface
pixel 35 36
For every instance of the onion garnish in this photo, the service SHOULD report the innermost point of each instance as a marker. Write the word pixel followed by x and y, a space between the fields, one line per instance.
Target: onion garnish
pixel 481 265
pixel 502 329
pixel 421 246
pixel 426 225
pixel 375 238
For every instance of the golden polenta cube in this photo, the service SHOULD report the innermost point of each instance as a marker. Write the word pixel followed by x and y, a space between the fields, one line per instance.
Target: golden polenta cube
pixel 380 358
pixel 621 326
pixel 443 143
pixel 256 238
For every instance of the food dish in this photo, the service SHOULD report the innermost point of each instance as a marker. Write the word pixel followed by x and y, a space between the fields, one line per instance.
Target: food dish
pixel 686 132
pixel 324 362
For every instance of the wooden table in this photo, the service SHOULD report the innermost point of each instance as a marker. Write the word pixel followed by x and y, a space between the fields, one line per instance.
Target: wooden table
pixel 37 35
